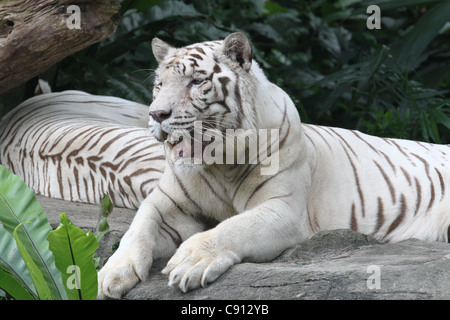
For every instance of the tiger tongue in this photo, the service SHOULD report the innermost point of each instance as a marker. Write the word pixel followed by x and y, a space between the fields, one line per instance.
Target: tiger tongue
pixel 182 149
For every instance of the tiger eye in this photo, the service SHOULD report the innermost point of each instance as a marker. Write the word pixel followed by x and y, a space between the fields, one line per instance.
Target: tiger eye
pixel 198 82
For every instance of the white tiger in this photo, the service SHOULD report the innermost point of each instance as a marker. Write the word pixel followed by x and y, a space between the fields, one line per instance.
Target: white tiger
pixel 327 178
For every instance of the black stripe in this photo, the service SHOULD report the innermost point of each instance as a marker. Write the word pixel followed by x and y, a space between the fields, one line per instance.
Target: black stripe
pixel 194 62
pixel 199 49
pixel 185 191
pixel 225 201
pixel 315 129
pixel 388 182
pixel 358 184
pixel 224 81
pixel 196 56
pixel 177 238
pixel 356 133
pixel 401 151
pixel 258 187
pixel 441 181
pixel 380 215
pixel 245 174
pixel 388 159
pixel 401 216
pixel 343 140
pixel 427 169
pixel 353 221
pixel 173 202
pixel 237 94
pixel 141 187
pixel 405 173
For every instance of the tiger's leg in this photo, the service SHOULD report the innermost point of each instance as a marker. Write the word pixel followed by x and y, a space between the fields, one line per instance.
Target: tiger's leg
pixel 256 235
pixel 156 231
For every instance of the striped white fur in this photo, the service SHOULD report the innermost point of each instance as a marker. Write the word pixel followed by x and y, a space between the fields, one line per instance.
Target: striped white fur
pixel 76 146
pixel 389 188
pixel 328 178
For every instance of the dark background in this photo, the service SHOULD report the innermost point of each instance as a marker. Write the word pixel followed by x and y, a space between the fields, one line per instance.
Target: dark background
pixel 392 82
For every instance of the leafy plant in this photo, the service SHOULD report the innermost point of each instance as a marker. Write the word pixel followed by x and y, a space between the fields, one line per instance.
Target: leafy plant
pixel 386 93
pixel 37 262
pixel 74 251
pixel 17 206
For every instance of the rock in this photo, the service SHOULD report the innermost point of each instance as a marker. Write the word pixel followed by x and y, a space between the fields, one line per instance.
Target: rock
pixel 338 264
pixel 313 270
pixel 84 215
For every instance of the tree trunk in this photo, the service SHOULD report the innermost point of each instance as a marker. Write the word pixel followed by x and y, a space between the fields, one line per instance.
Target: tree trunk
pixel 36 34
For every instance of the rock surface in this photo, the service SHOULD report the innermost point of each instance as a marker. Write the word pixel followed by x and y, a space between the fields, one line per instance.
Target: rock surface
pixel 339 264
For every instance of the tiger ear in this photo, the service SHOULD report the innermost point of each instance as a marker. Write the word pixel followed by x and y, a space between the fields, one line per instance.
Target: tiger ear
pixel 238 48
pixel 160 49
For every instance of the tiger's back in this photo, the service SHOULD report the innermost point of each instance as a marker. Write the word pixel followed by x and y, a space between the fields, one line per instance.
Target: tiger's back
pixel 390 188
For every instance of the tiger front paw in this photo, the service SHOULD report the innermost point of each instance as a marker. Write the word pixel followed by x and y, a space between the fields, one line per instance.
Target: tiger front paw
pixel 122 272
pixel 197 262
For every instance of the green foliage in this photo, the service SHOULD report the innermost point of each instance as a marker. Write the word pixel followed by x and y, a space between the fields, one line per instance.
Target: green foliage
pixel 74 251
pixel 24 219
pixel 42 286
pixel 36 262
pixel 391 81
pixel 106 208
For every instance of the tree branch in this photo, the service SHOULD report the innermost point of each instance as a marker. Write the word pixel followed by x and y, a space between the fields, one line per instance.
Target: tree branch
pixel 34 34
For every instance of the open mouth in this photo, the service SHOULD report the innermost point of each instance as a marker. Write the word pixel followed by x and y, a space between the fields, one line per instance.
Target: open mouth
pixel 188 144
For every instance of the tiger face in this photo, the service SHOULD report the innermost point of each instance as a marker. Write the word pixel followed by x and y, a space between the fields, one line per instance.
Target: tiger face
pixel 198 89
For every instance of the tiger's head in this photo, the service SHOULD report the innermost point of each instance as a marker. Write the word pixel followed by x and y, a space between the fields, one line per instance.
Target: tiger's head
pixel 210 83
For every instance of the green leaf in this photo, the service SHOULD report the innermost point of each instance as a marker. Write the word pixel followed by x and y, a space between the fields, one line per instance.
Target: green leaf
pixel 106 209
pixel 272 7
pixel 74 255
pixel 14 276
pixel 137 4
pixel 37 276
pixel 171 9
pixel 17 205
pixel 144 4
pixel 14 287
pixel 396 4
pixel 408 50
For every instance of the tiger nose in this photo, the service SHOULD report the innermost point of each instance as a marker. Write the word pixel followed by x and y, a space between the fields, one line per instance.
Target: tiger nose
pixel 160 115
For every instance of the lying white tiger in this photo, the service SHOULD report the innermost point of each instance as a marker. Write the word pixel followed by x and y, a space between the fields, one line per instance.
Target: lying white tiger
pixel 327 178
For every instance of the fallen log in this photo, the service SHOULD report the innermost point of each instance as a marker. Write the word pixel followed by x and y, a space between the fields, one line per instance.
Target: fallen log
pixel 36 34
